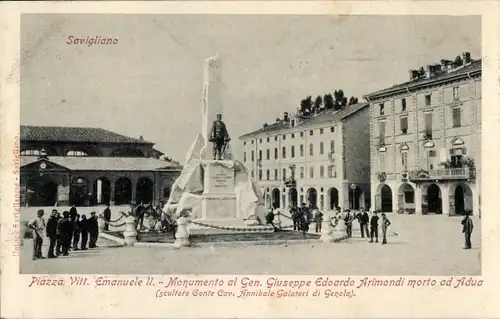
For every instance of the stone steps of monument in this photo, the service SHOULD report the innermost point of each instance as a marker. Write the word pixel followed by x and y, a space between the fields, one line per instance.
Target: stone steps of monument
pixel 223 236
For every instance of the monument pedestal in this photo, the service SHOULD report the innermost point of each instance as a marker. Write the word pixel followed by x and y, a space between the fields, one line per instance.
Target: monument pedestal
pixel 218 201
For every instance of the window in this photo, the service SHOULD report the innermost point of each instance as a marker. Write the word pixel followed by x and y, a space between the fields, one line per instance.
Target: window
pixel 456 157
pixel 292 173
pixel 284 152
pixel 31 152
pixel 302 172
pixel 332 146
pixel 76 153
pixel 260 154
pixel 292 151
pixel 275 138
pixel 311 132
pixel 321 171
pixel 427 100
pixel 428 123
pixel 252 173
pixel 457 117
pixel 456 96
pixel 276 174
pixel 260 140
pixel 260 174
pixel 381 131
pixel 268 155
pixel 321 151
pixel 404 160
pixel 403 105
pixel 268 175
pixel 276 153
pixel 284 137
pixel 253 157
pixel 332 129
pixel 311 172
pixel 268 139
pixel 403 122
pixel 284 173
pixel 311 149
pixel 331 171
pixel 382 162
pixel 301 134
pixel 244 156
pixel 301 150
pixel 293 123
pixel 320 131
pixel 245 143
pixel 430 155
pixel 252 141
pixel 381 109
pixel 293 135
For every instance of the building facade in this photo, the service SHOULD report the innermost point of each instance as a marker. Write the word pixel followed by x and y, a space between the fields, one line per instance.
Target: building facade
pixel 426 141
pixel 321 160
pixel 90 166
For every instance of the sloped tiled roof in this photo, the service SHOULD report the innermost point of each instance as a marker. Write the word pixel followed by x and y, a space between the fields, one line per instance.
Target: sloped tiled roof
pixel 75 134
pixel 85 163
pixel 325 116
pixel 473 67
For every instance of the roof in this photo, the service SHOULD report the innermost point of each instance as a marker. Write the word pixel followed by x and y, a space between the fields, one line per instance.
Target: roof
pixel 474 67
pixel 85 163
pixel 325 116
pixel 75 134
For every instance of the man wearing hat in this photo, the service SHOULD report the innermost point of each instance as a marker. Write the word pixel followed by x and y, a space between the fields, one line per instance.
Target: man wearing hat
pixel 467 228
pixel 374 227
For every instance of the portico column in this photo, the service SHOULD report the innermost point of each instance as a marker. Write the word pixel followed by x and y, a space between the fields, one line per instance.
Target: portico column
pixel 418 200
pixel 112 192
pixel 134 190
pixel 475 200
pixel 395 198
pixel 445 199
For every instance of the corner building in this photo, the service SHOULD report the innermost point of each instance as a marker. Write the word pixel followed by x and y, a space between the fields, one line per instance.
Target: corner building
pixel 322 159
pixel 425 141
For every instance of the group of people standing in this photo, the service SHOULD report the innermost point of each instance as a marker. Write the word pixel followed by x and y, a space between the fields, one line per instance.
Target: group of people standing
pixel 65 233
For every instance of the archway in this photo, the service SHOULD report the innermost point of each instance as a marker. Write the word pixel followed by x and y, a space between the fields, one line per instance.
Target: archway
pixel 293 196
pixel 434 200
pixel 144 190
pixel 386 199
pixel 123 191
pixel 354 198
pixel 406 198
pixel 79 192
pixel 463 199
pixel 41 191
pixel 334 198
pixel 101 192
pixel 312 196
pixel 275 195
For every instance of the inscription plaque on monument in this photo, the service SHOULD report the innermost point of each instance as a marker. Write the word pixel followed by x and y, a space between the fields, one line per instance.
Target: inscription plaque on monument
pixel 219 179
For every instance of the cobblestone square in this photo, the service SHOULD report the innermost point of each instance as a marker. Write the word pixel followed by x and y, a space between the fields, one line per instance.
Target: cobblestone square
pixel 417 245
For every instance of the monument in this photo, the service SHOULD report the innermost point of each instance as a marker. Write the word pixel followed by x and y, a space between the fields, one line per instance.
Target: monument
pixel 212 185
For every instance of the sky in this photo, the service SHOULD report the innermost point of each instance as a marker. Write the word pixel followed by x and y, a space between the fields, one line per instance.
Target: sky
pixel 151 82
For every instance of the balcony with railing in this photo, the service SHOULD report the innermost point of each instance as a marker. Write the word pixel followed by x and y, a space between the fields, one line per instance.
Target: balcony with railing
pixel 463 173
pixel 290 182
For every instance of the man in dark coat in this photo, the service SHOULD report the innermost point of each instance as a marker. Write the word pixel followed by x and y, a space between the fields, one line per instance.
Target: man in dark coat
pixel 270 220
pixel 468 227
pixel 93 230
pixel 107 217
pixel 374 227
pixel 348 223
pixel 84 229
pixel 304 222
pixel 364 220
pixel 51 231
pixel 76 232
pixel 65 232
pixel 295 218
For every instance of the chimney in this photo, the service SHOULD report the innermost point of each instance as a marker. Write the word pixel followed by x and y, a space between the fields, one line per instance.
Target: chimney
pixel 285 117
pixel 141 138
pixel 265 125
pixel 278 119
pixel 413 74
pixel 428 71
pixel 466 58
pixel 446 65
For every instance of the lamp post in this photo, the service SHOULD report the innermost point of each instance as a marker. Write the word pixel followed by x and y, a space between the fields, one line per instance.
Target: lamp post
pixel 353 187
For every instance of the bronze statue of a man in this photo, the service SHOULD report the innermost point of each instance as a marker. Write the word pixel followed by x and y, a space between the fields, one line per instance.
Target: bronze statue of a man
pixel 220 137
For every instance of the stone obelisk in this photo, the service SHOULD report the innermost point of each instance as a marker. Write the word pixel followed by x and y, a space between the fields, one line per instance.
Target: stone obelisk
pixel 212 99
pixel 218 200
